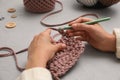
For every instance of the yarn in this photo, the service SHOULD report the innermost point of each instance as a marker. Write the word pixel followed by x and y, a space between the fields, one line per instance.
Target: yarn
pixel 64 60
pixel 12 53
pixel 98 3
pixel 39 5
pixel 60 24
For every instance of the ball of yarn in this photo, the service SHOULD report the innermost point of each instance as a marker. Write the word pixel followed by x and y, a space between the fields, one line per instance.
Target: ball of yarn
pixel 39 6
pixel 98 3
pixel 65 59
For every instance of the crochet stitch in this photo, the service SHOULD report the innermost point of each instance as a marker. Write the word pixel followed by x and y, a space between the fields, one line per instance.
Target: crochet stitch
pixel 39 5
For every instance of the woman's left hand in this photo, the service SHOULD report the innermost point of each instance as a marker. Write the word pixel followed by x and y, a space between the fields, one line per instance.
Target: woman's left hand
pixel 42 49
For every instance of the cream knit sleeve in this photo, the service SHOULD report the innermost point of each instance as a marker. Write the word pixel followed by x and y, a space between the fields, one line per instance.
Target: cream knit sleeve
pixel 35 74
pixel 116 32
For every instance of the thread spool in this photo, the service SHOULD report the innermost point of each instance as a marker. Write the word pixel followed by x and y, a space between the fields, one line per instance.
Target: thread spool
pixel 39 6
pixel 98 3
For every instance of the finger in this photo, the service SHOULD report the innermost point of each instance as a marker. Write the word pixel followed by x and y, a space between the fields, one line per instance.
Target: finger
pixel 80 20
pixel 81 38
pixel 59 46
pixel 47 31
pixel 70 31
pixel 52 40
pixel 78 33
pixel 81 26
pixel 45 34
pixel 35 38
pixel 84 37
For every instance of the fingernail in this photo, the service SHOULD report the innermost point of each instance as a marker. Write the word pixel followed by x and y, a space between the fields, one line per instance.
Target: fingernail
pixel 70 34
pixel 63 45
pixel 74 25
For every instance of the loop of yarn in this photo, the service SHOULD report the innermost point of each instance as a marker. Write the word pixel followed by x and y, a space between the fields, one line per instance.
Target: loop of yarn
pixel 45 6
pixel 60 24
pixel 98 3
pixel 10 52
pixel 39 6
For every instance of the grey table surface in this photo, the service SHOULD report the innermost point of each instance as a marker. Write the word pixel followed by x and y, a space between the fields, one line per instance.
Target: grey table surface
pixel 92 65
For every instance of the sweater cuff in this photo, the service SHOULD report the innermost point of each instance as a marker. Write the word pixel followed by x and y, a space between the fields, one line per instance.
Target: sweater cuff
pixel 37 73
pixel 116 32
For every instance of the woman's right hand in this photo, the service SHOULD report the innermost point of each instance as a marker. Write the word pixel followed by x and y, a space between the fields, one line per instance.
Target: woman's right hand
pixel 93 34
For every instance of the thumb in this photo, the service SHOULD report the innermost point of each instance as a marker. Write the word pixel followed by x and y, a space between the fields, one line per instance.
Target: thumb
pixel 80 26
pixel 59 46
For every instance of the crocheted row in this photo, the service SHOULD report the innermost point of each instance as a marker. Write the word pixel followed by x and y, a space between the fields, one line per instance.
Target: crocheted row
pixel 39 5
pixel 65 59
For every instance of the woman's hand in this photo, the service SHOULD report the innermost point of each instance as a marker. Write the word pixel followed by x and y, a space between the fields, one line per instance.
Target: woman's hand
pixel 93 34
pixel 42 49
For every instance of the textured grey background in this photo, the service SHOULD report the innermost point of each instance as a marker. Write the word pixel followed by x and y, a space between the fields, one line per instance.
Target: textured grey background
pixel 93 64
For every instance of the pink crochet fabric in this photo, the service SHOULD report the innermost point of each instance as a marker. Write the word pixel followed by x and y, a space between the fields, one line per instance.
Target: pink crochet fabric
pixel 65 59
pixel 39 5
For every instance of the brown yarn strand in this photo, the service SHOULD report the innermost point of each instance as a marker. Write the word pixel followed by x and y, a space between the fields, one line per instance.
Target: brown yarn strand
pixel 10 53
pixel 52 13
pixel 41 6
pixel 54 25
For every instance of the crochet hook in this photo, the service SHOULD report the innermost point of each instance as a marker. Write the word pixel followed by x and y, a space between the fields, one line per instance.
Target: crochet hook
pixel 89 23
